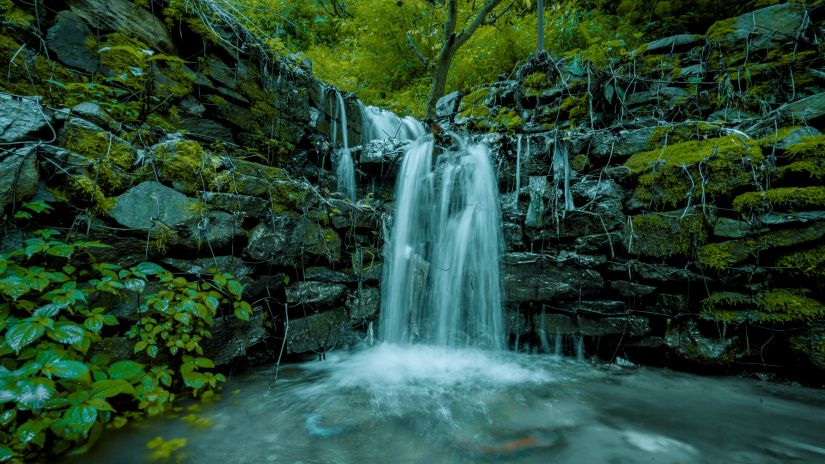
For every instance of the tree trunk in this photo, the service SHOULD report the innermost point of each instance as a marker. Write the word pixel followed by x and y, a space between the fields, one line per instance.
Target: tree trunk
pixel 540 12
pixel 439 77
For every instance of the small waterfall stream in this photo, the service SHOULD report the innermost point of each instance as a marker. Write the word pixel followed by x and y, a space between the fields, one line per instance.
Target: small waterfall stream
pixel 345 166
pixel 442 283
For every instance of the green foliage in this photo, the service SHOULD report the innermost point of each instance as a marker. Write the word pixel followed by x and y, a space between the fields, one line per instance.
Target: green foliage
pixel 57 392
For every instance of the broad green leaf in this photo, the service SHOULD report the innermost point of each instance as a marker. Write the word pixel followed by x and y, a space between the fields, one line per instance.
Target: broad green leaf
pixel 152 351
pixel 49 310
pixel 212 303
pixel 204 362
pixel 71 370
pixel 149 268
pixel 34 392
pixel 67 333
pixel 242 310
pixel 63 251
pixel 100 404
pixel 6 453
pixel 125 370
pixel 24 333
pixel 235 288
pixel 28 432
pixel 111 387
pixel 94 323
pixel 76 422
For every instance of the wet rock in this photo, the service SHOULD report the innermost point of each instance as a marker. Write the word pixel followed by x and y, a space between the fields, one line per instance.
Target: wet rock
pixel 673 44
pixel 779 219
pixel 241 205
pixel 152 204
pixel 380 156
pixel 513 237
pixel 283 240
pixel 325 274
pixel 231 337
pixel 447 106
pixel 363 305
pixel 811 345
pixel 621 144
pixel 205 130
pixel 630 326
pixel 231 264
pixel 767 28
pixel 795 136
pixel 19 176
pixel 345 215
pixel 211 231
pixel 21 119
pixel 531 277
pixel 318 332
pixel 654 272
pixel 95 114
pixel 672 304
pixel 805 109
pixel 689 343
pixel 516 326
pixel 600 209
pixel 315 294
pixel 731 228
pixel 124 15
pixel 597 307
pixel 68 41
pixel 631 289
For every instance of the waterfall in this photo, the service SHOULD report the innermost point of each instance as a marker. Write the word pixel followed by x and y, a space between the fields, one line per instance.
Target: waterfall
pixel 518 171
pixel 381 124
pixel 442 281
pixel 345 169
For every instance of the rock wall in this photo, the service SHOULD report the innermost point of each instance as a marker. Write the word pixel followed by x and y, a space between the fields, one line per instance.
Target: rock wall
pixel 192 147
pixel 665 206
pixel 669 205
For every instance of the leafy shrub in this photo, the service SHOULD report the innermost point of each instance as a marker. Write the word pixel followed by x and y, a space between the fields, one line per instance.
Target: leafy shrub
pixel 57 392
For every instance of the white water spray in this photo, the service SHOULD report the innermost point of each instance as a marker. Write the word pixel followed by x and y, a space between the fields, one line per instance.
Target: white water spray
pixel 379 124
pixel 442 281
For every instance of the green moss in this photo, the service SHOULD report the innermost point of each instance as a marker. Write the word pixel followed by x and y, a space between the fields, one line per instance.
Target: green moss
pixel 13 15
pixel 577 108
pixel 789 305
pixel 785 199
pixel 474 104
pixel 85 191
pixel 722 31
pixel 679 133
pixel 720 256
pixel 535 83
pixel 95 144
pixel 665 235
pixel 806 158
pixel 668 176
pixel 186 164
pixel 507 119
pixel 805 262
pixel 781 305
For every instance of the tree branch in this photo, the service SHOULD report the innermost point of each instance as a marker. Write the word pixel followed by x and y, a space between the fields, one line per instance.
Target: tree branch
pixel 493 18
pixel 479 20
pixel 417 51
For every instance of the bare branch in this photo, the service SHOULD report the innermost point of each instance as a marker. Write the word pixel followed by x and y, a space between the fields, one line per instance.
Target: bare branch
pixel 479 20
pixel 493 18
pixel 417 51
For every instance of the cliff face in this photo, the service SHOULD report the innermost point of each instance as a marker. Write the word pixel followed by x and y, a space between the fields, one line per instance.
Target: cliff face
pixel 666 206
pixel 668 203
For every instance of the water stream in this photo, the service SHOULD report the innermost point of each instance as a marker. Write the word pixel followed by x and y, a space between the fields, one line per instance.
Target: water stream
pixel 424 404
pixel 442 282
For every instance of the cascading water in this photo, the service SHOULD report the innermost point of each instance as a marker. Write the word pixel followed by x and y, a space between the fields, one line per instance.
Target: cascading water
pixel 381 124
pixel 345 169
pixel 442 282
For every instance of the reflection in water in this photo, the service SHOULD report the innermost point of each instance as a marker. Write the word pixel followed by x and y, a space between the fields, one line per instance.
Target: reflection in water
pixel 423 404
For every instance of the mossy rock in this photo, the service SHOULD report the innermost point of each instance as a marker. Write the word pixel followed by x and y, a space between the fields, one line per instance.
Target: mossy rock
pixel 782 199
pixel 810 263
pixel 663 235
pixel 805 159
pixel 780 306
pixel 185 164
pixel 811 345
pixel 685 172
pixel 721 256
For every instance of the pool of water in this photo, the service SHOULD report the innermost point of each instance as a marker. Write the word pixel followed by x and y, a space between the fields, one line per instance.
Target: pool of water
pixel 432 405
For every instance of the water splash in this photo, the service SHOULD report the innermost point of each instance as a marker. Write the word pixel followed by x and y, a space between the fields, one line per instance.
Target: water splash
pixel 442 282
pixel 379 124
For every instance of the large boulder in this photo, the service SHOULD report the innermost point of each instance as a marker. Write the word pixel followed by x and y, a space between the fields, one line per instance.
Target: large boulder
pixel 767 28
pixel 153 204
pixel 21 119
pixel 315 294
pixel 18 175
pixel 284 240
pixel 317 332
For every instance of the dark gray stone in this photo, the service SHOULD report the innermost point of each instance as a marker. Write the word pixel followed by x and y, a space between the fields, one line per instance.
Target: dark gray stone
pixel 68 41
pixel 203 129
pixel 21 119
pixel 315 294
pixel 241 205
pixel 689 343
pixel 152 204
pixel 631 289
pixel 231 264
pixel 767 28
pixel 231 337
pixel 805 109
pixel 447 106
pixel 318 332
pixel 284 240
pixel 531 277
pixel 673 43
pixel 325 274
pixel 363 305
pixel 95 114
pixel 731 228
pixel 630 326
pixel 124 15
pixel 19 176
